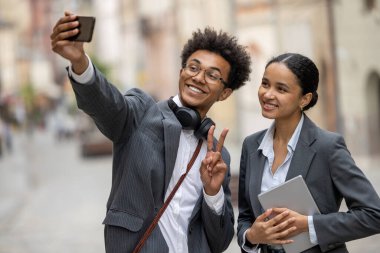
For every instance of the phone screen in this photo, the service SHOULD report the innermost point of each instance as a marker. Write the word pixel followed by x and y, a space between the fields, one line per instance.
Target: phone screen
pixel 86 29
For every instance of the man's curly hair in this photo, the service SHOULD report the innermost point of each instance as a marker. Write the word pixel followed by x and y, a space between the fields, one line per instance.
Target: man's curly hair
pixel 226 46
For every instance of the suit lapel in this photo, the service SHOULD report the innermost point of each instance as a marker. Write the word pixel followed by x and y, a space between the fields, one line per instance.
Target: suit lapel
pixel 257 159
pixel 172 132
pixel 196 209
pixel 303 154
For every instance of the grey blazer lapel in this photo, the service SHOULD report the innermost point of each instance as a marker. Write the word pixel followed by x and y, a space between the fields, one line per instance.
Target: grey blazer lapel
pixel 304 153
pixel 172 132
pixel 257 159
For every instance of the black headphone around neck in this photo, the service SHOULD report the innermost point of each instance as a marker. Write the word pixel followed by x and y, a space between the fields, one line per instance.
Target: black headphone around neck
pixel 191 120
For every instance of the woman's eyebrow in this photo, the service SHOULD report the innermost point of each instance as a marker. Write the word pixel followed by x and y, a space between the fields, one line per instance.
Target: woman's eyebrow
pixel 283 85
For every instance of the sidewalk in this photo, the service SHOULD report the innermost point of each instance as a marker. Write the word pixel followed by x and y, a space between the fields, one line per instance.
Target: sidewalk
pixel 14 181
pixel 56 200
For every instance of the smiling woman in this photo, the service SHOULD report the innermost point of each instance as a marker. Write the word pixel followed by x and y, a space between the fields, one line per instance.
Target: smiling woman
pixel 293 145
pixel 280 95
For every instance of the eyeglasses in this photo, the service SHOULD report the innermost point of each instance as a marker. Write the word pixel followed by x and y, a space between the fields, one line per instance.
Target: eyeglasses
pixel 211 76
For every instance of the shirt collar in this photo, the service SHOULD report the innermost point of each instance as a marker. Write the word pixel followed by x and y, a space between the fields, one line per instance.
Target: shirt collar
pixel 177 100
pixel 267 143
pixel 293 141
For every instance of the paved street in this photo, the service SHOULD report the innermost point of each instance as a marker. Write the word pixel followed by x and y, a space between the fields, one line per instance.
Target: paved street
pixel 53 200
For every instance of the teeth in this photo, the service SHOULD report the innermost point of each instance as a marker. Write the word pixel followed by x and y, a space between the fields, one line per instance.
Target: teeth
pixel 195 89
pixel 270 105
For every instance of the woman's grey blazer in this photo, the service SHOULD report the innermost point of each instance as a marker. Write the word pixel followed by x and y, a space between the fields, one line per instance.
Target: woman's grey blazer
pixel 324 162
pixel 145 137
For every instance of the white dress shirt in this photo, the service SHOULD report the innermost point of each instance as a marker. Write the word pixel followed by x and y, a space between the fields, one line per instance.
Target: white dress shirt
pixel 175 220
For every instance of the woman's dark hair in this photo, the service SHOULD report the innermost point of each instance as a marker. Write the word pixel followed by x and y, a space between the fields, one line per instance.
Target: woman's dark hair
pixel 305 71
pixel 224 45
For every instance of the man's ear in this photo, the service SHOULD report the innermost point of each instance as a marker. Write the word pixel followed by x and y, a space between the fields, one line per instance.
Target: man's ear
pixel 225 94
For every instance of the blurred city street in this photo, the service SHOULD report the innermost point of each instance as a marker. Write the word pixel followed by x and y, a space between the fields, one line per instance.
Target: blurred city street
pixel 53 199
pixel 53 192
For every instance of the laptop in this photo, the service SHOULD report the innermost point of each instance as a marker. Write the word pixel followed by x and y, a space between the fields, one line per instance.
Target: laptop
pixel 292 194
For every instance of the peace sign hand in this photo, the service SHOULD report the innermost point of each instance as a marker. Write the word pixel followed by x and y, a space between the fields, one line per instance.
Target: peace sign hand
pixel 213 168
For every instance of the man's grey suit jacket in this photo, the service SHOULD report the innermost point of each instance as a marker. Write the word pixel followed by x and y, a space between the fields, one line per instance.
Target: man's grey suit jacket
pixel 324 162
pixel 145 137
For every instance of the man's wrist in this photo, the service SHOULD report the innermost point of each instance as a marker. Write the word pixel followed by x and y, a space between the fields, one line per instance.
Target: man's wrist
pixel 81 65
pixel 211 192
pixel 215 202
pixel 87 77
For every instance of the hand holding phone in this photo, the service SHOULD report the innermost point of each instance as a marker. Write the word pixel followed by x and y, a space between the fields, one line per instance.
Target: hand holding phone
pixel 86 29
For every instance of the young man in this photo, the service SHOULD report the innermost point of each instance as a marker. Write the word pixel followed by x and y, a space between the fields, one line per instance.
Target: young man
pixel 154 143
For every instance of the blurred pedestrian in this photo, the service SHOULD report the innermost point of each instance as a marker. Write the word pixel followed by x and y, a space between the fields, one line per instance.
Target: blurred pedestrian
pixel 1 138
pixel 293 145
pixel 8 139
pixel 7 119
pixel 155 142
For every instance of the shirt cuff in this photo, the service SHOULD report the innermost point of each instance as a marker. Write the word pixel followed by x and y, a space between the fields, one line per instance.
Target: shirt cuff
pixel 215 202
pixel 312 233
pixel 87 76
pixel 246 248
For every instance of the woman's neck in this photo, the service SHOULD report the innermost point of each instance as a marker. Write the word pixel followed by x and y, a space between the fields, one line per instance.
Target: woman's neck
pixel 285 128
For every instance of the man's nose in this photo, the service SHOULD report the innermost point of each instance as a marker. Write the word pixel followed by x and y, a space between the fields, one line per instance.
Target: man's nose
pixel 200 77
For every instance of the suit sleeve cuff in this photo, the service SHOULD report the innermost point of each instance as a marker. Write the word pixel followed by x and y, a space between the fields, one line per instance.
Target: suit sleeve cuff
pixel 312 233
pixel 87 76
pixel 249 247
pixel 215 202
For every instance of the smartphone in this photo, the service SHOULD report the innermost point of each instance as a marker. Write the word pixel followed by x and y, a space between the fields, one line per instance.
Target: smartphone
pixel 86 29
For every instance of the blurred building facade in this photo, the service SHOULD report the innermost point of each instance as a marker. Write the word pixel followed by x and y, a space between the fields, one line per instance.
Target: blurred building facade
pixel 357 36
pixel 11 59
pixel 270 28
pixel 140 42
pixel 342 37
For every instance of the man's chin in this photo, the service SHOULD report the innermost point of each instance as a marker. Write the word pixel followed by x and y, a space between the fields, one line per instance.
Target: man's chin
pixel 188 101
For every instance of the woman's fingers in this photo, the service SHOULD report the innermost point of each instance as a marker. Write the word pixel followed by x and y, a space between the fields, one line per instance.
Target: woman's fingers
pixel 278 217
pixel 264 216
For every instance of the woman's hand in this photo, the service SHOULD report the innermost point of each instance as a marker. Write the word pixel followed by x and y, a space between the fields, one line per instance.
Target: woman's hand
pixel 300 221
pixel 274 226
